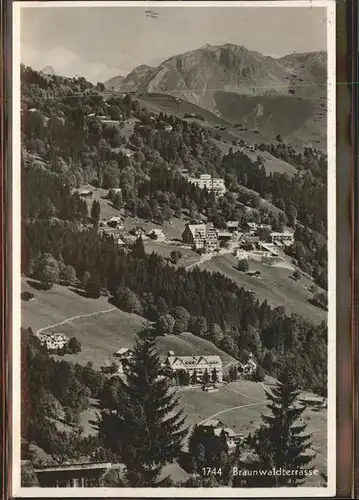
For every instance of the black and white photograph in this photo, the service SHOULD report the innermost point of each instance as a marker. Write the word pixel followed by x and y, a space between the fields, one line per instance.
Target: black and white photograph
pixel 174 249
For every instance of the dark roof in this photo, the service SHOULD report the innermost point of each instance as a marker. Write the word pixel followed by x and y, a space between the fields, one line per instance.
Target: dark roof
pixel 73 467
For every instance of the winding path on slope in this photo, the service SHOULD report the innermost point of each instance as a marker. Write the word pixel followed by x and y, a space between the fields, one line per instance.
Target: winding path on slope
pixel 257 403
pixel 231 409
pixel 76 317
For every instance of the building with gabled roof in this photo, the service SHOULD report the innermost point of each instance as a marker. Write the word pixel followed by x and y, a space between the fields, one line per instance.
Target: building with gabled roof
pixel 232 225
pixel 157 234
pixel 213 184
pixel 201 237
pixel 218 428
pixel 286 238
pixel 197 364
pixel 53 341
pixel 86 193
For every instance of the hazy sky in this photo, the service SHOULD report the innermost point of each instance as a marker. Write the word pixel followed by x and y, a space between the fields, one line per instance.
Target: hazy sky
pixel 101 42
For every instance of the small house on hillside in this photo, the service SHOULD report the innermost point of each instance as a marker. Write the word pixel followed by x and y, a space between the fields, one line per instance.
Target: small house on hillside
pixel 224 236
pixel 218 428
pixel 122 356
pixel 53 341
pixel 255 274
pixel 115 191
pixel 138 232
pixel 115 222
pixel 85 193
pixel 123 352
pixel 252 228
pixel 286 238
pixel 157 234
pixel 232 226
pixel 249 367
pixel 120 242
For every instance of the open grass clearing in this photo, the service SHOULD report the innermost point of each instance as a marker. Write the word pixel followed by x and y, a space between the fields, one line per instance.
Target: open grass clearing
pixel 274 285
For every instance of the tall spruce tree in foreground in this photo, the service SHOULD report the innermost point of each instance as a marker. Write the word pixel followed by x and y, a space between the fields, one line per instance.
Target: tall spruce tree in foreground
pixel 148 428
pixel 95 211
pixel 282 441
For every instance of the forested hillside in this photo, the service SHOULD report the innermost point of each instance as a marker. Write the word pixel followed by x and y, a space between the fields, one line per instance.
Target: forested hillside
pixel 72 136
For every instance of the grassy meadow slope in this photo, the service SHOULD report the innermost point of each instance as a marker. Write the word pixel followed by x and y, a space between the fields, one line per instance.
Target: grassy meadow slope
pixel 103 329
pixel 274 285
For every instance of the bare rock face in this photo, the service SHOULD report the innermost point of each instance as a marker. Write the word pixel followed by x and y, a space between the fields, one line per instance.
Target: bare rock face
pixel 287 94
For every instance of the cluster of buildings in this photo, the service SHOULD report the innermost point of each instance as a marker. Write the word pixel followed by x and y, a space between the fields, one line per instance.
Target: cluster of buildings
pixel 191 364
pixel 213 184
pixel 285 238
pixel 53 341
pixel 206 238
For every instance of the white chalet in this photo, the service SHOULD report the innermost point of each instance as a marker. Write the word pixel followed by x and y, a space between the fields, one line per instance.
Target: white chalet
pixel 53 341
pixel 286 238
pixel 122 355
pixel 250 366
pixel 210 183
pixel 198 364
pixel 201 237
pixel 157 234
pixel 85 193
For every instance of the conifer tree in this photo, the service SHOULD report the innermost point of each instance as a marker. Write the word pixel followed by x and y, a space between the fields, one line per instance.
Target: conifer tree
pixel 214 375
pixel 194 377
pixel 205 377
pixel 139 248
pixel 148 428
pixel 282 441
pixel 95 211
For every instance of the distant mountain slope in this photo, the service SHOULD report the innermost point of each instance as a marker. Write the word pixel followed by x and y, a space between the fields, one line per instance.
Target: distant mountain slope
pixel 115 82
pixel 287 95
pixel 130 82
pixel 48 70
